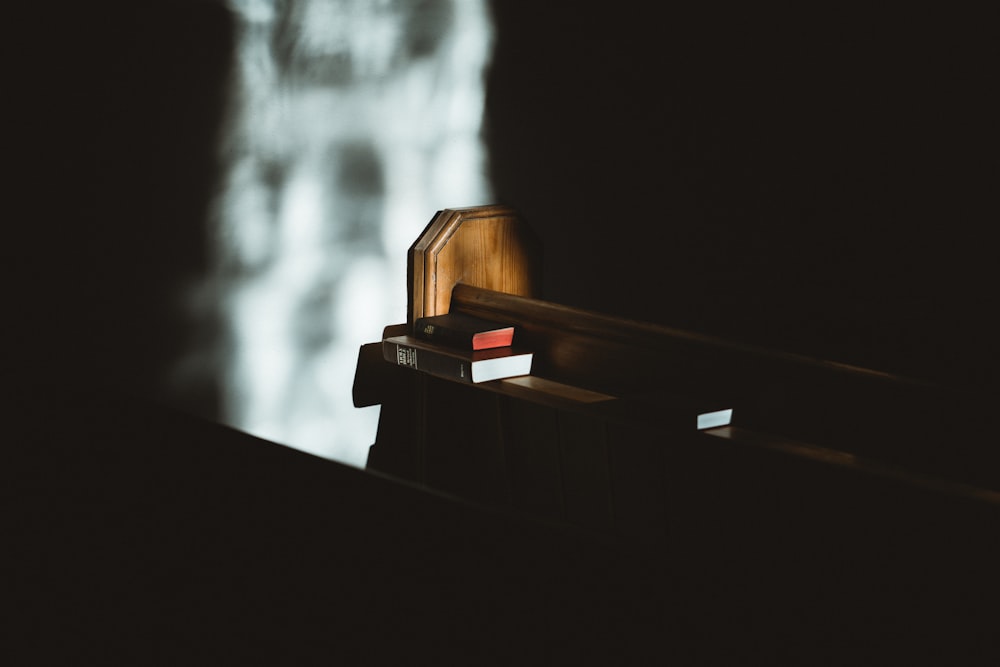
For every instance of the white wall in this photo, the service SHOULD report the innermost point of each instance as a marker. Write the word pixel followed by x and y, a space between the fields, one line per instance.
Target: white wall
pixel 350 124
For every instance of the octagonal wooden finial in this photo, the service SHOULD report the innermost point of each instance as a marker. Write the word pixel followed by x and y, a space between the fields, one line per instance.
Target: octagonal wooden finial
pixel 482 246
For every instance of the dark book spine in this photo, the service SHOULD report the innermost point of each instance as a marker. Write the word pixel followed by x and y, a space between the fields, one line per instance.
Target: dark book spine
pixel 427 361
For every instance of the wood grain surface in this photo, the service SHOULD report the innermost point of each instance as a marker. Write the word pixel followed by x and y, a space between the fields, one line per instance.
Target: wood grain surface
pixel 484 246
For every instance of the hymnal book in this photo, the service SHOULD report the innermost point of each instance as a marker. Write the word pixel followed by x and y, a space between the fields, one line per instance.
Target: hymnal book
pixel 674 412
pixel 462 330
pixel 456 363
pixel 714 419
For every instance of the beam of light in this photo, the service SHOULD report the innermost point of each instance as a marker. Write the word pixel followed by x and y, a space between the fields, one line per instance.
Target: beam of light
pixel 350 123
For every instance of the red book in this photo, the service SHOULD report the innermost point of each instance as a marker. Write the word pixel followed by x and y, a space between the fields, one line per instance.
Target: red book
pixel 465 331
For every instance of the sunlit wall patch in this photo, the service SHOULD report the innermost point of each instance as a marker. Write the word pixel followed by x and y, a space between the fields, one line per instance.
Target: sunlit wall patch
pixel 350 123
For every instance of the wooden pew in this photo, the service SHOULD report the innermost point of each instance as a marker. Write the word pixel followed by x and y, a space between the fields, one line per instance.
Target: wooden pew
pixel 586 439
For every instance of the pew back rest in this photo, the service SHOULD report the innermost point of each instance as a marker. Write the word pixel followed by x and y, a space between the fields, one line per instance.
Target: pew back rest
pixel 601 383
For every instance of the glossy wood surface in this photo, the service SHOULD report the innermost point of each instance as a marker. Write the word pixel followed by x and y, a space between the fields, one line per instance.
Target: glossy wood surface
pixel 485 246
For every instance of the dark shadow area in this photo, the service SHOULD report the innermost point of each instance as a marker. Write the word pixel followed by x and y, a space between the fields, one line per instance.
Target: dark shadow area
pixel 808 180
pixel 137 535
pixel 116 109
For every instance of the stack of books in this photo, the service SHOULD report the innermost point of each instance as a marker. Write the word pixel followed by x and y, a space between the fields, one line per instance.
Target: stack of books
pixel 459 347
